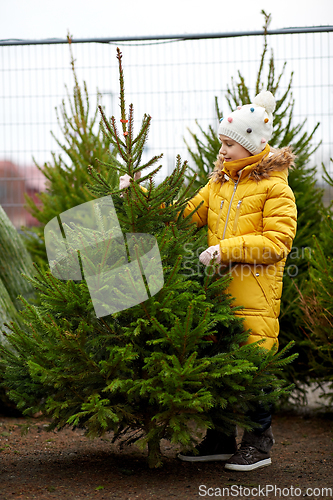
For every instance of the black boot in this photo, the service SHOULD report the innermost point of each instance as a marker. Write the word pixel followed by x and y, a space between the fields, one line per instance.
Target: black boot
pixel 215 446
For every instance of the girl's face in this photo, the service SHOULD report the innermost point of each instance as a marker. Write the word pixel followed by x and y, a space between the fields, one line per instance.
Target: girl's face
pixel 231 150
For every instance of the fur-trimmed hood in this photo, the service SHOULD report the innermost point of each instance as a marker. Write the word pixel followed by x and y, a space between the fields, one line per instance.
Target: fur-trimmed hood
pixel 278 160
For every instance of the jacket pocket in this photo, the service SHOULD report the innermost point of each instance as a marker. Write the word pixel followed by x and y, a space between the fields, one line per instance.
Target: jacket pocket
pixel 249 290
pixel 219 216
pixel 238 209
pixel 264 285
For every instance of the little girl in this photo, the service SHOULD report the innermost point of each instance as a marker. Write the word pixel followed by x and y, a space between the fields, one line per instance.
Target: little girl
pixel 251 216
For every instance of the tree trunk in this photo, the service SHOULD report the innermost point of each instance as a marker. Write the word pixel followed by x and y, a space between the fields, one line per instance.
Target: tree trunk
pixel 154 452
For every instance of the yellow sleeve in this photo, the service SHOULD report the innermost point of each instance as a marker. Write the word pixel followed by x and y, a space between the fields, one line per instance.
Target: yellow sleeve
pixel 200 216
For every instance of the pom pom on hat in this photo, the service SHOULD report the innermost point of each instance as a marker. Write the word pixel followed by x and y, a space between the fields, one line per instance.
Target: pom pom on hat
pixel 252 124
pixel 266 100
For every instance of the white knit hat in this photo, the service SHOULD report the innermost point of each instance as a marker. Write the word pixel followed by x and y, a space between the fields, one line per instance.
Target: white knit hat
pixel 251 125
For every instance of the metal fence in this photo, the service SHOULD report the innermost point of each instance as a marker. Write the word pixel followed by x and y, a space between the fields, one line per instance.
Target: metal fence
pixel 174 79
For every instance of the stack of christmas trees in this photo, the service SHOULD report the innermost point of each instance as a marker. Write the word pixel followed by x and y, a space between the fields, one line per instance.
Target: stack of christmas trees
pixel 317 303
pixel 14 262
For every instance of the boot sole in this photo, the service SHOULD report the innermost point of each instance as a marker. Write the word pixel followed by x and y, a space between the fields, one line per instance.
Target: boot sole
pixel 206 458
pixel 257 465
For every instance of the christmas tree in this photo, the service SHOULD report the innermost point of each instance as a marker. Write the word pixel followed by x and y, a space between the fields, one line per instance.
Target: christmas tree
pixel 14 262
pixel 302 180
pixel 150 370
pixel 67 176
pixel 317 301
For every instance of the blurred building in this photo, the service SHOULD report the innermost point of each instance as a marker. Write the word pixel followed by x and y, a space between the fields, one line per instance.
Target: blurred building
pixel 15 181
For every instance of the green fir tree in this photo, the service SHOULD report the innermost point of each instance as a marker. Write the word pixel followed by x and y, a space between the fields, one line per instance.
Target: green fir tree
pixel 302 180
pixel 148 371
pixel 14 262
pixel 317 301
pixel 67 176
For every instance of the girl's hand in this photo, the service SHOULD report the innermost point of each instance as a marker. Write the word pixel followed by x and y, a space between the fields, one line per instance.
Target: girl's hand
pixel 125 180
pixel 212 253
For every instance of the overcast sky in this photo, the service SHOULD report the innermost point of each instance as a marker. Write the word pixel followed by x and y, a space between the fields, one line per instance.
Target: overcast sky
pixel 37 19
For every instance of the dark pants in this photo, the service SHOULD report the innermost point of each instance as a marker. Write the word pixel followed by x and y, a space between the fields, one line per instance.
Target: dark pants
pixel 261 437
pixel 261 416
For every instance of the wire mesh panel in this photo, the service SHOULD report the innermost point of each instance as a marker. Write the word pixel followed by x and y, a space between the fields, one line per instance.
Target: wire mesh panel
pixel 175 81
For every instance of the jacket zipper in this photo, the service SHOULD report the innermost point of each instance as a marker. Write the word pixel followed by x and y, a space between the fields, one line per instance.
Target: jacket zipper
pixel 234 229
pixel 230 203
pixel 219 216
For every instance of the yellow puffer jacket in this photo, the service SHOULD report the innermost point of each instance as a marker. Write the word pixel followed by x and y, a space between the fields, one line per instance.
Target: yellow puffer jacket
pixel 252 215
